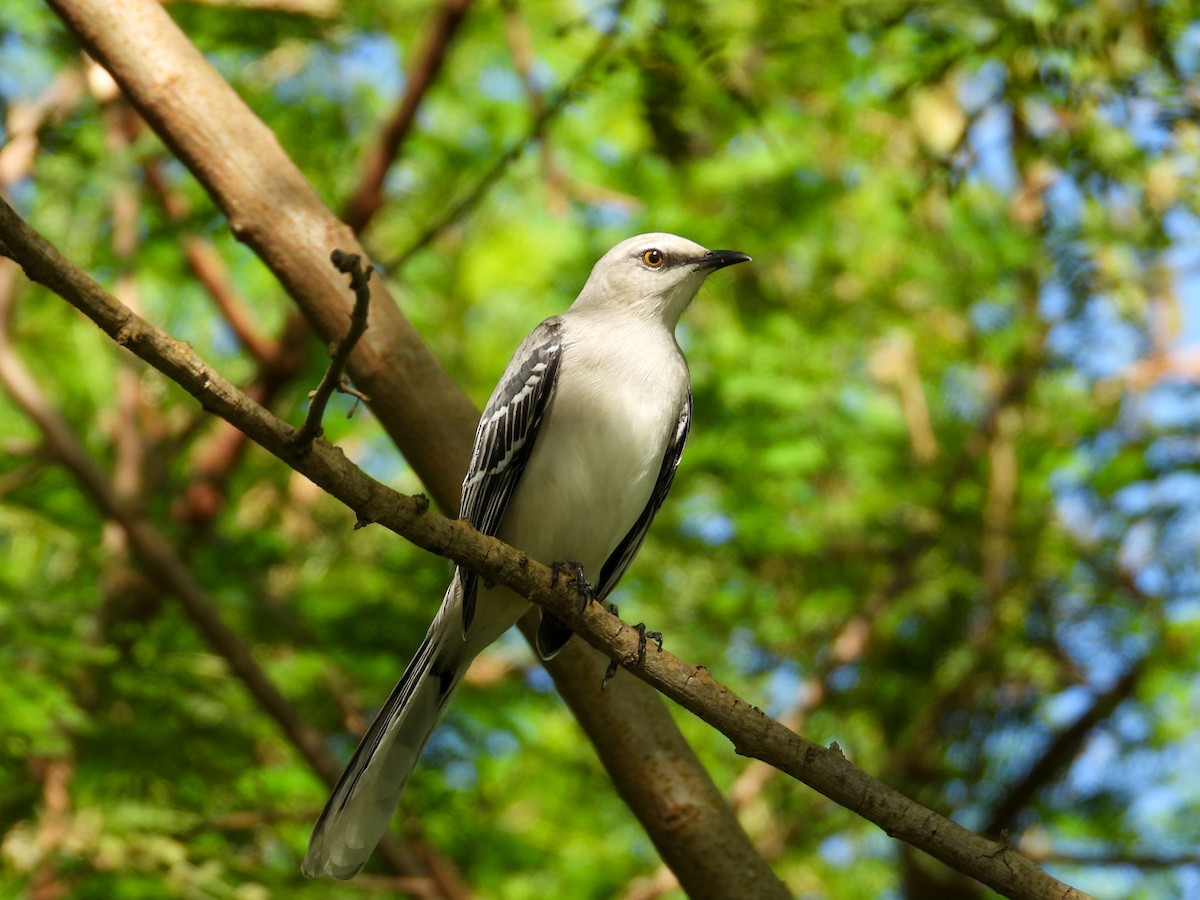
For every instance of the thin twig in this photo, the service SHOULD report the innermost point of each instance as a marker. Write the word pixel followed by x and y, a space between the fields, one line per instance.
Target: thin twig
pixel 520 45
pixel 333 380
pixel 23 123
pixel 212 462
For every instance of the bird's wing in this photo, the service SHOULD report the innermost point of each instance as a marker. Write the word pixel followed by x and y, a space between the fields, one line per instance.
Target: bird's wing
pixel 505 437
pixel 619 560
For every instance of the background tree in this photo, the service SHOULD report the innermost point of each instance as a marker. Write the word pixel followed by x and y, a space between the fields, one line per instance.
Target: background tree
pixel 939 504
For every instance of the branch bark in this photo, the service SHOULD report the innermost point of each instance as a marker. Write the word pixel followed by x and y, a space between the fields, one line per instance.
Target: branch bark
pixel 691 686
pixel 274 210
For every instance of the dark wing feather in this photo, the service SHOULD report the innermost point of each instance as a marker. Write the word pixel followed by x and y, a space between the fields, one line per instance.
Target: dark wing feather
pixel 505 437
pixel 619 560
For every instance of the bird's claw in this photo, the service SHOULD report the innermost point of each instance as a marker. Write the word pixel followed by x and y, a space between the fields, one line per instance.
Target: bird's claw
pixel 609 673
pixel 643 636
pixel 582 586
pixel 612 663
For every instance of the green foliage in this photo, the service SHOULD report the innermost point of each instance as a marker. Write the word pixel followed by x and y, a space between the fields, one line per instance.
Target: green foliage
pixel 933 506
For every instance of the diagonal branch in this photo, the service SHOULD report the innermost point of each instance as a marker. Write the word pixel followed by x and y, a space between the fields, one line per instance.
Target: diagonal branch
pixel 368 197
pixel 1063 750
pixel 212 462
pixel 520 45
pixel 691 686
pixel 161 560
pixel 547 111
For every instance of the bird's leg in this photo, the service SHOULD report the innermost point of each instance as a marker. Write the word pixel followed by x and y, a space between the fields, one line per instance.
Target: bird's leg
pixel 643 637
pixel 582 586
pixel 609 673
pixel 612 663
pixel 643 634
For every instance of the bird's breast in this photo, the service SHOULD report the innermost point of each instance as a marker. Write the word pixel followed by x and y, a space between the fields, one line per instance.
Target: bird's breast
pixel 599 451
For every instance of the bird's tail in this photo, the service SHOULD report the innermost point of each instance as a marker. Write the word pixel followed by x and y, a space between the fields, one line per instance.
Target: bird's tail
pixel 365 798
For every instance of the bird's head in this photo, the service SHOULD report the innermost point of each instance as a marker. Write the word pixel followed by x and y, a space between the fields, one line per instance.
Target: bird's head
pixel 652 275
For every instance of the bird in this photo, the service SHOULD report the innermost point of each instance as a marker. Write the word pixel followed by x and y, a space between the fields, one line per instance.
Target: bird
pixel 574 455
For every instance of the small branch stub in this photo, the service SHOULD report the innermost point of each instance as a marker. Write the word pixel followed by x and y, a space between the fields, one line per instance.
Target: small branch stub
pixel 334 379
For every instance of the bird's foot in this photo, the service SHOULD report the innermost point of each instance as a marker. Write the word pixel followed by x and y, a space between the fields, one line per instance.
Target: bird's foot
pixel 609 673
pixel 582 586
pixel 643 636
pixel 612 663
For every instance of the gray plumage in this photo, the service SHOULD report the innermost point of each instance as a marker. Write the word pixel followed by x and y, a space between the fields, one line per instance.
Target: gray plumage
pixel 574 454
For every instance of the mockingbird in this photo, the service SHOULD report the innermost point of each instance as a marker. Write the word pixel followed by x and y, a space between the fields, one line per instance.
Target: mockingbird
pixel 573 456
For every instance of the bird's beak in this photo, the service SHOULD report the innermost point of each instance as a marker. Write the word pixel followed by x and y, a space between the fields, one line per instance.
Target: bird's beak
pixel 719 259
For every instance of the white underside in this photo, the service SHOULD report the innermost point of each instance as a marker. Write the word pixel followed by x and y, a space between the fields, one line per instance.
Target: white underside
pixel 600 446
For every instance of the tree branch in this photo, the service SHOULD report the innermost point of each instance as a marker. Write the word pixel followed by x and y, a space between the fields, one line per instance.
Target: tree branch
pixel 546 112
pixel 211 462
pixel 520 45
pixel 691 686
pixel 209 268
pixel 348 264
pixel 157 554
pixel 368 197
pixel 1063 750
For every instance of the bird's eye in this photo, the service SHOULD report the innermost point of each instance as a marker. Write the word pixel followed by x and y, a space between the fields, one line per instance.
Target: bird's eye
pixel 654 258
